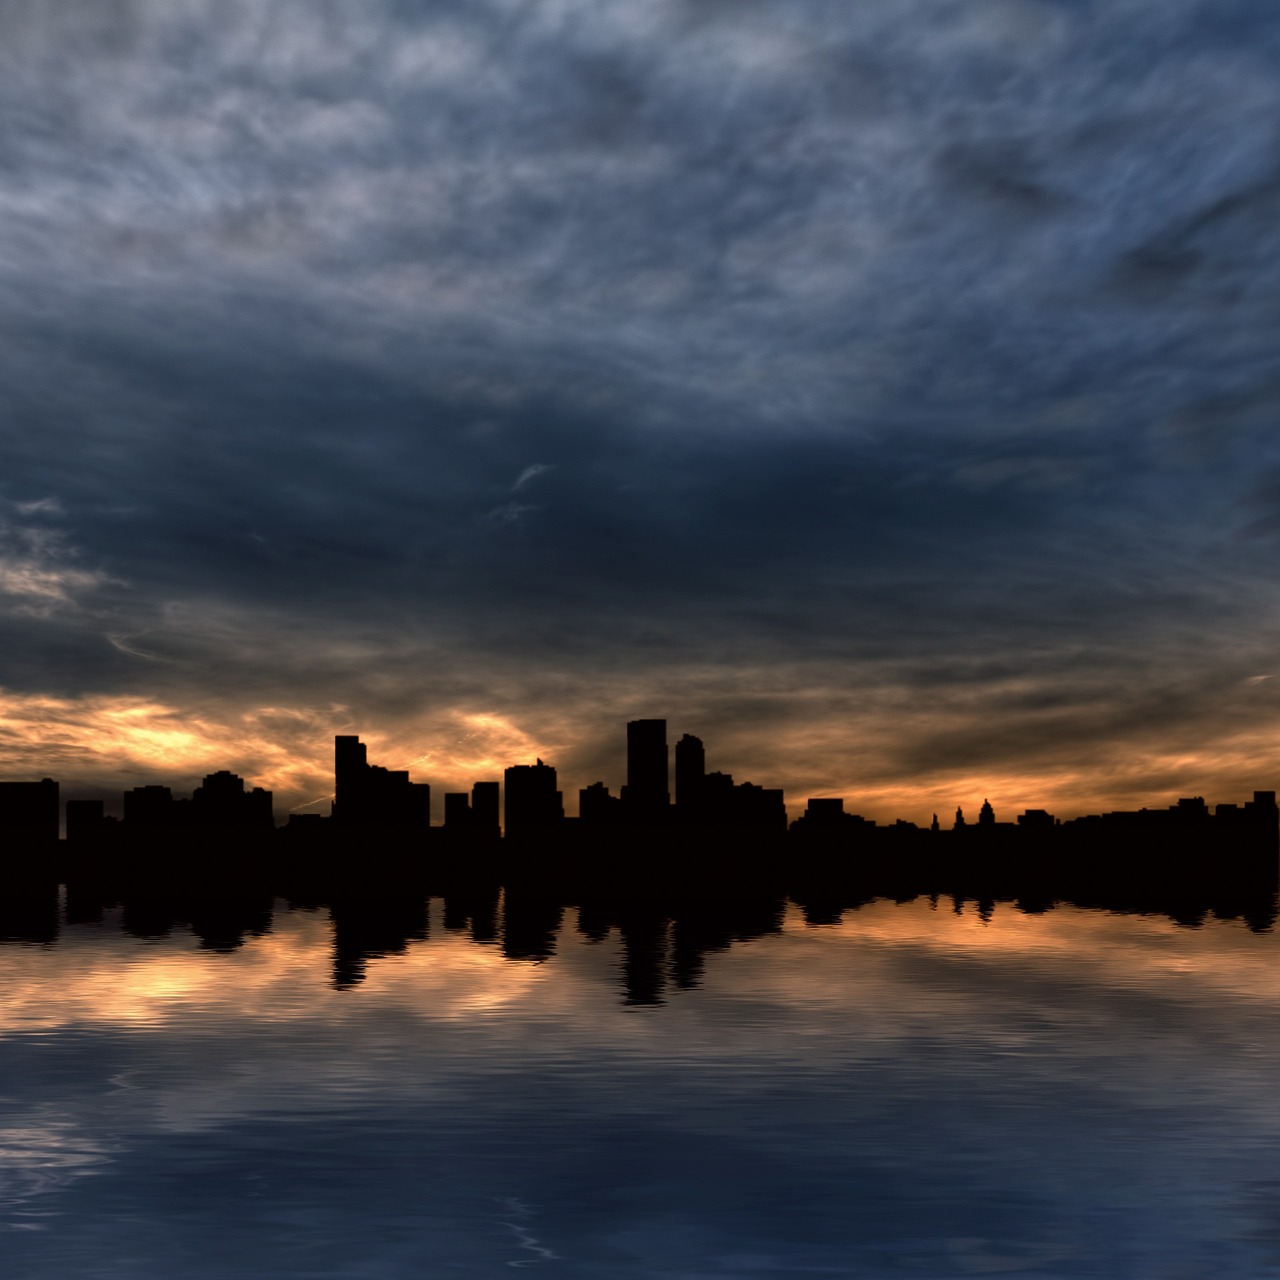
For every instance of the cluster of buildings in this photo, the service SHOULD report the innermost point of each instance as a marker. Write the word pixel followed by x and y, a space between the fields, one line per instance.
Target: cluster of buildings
pixel 222 806
pixel 370 800
pixel 527 806
pixel 824 819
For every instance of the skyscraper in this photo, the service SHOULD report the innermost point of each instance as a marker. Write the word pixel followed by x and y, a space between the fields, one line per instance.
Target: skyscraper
pixel 350 763
pixel 485 807
pixel 691 772
pixel 647 794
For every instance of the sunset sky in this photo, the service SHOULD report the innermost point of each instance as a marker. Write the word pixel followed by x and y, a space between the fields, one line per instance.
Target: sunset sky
pixel 885 391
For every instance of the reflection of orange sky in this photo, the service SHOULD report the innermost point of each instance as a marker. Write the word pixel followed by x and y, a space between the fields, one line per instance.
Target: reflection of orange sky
pixel 109 980
pixel 105 744
pixel 281 976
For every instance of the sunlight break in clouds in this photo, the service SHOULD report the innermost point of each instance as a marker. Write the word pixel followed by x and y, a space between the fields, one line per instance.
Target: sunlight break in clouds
pixel 486 744
pixel 117 742
pixel 124 739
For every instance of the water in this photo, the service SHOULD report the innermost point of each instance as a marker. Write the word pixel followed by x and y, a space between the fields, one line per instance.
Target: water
pixel 912 1091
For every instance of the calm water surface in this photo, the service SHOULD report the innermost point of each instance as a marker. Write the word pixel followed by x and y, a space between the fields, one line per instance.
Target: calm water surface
pixel 911 1092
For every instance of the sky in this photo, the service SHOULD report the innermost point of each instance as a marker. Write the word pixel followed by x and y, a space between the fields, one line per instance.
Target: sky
pixel 884 392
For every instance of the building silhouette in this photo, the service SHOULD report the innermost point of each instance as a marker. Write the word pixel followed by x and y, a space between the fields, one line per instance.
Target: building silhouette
pixel 598 808
pixel 88 824
pixel 457 812
pixel 646 795
pixel 29 814
pixel 369 800
pixel 150 813
pixel 691 773
pixel 720 837
pixel 1036 820
pixel 533 807
pixel 486 808
pixel 221 806
pixel 676 882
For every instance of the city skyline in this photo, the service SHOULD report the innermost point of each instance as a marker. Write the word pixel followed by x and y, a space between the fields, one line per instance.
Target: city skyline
pixel 680 870
pixel 663 780
pixel 683 859
pixel 136 743
pixel 639 639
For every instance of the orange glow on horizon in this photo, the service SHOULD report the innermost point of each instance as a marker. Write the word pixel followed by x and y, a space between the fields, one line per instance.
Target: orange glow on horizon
pixel 288 750
pixel 109 743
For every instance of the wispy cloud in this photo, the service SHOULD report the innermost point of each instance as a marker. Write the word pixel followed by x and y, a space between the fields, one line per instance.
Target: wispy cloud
pixel 510 512
pixel 38 564
pixel 528 475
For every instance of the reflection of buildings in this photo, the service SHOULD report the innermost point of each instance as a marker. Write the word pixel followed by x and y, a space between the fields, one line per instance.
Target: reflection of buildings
pixel 368 927
pixel 647 841
pixel 677 874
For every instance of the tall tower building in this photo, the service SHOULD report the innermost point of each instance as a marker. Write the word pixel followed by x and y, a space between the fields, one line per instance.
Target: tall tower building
pixel 691 772
pixel 350 763
pixel 647 768
pixel 485 809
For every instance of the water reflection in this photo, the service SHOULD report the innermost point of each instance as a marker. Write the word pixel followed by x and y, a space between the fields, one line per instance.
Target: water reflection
pixel 929 1087
pixel 665 938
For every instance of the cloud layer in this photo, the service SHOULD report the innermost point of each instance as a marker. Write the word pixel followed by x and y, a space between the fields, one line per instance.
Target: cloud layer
pixel 887 390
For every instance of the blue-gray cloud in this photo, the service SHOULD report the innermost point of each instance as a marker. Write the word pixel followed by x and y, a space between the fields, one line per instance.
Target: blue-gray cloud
pixel 592 342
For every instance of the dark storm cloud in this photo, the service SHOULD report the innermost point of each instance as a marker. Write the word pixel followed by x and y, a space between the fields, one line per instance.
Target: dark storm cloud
pixel 495 355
